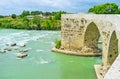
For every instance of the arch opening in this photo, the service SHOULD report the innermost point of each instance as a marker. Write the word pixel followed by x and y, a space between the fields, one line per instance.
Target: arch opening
pixel 100 43
pixel 93 39
pixel 113 48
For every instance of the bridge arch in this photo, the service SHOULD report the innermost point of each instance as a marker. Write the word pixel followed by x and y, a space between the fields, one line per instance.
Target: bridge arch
pixel 92 36
pixel 112 48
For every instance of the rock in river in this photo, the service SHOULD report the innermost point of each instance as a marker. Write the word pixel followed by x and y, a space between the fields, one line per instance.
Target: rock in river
pixel 2 51
pixel 21 55
pixel 22 45
pixel 13 44
pixel 7 49
pixel 25 50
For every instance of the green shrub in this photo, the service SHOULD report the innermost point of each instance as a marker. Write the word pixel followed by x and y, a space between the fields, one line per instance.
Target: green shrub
pixel 0 24
pixel 14 16
pixel 8 25
pixel 57 43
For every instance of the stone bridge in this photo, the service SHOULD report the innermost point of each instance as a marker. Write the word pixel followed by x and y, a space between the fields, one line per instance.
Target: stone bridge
pixel 89 35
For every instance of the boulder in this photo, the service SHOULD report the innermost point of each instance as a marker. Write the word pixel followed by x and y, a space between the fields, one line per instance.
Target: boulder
pixel 16 48
pixel 13 44
pixel 7 44
pixel 25 50
pixel 22 45
pixel 21 55
pixel 7 49
pixel 2 51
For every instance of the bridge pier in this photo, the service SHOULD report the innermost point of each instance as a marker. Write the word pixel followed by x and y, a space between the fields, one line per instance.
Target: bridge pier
pixel 80 36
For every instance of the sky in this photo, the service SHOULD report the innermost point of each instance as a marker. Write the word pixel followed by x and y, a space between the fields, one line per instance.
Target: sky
pixel 8 7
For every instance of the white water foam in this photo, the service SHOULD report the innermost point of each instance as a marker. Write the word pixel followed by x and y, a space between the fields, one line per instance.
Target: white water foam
pixel 39 50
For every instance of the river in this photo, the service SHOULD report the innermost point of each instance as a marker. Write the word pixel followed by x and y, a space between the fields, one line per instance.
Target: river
pixel 41 63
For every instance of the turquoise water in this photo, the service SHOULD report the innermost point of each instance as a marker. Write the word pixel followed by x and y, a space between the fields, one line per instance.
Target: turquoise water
pixel 41 63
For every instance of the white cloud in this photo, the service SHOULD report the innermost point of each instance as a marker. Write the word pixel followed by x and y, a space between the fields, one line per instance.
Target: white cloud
pixel 16 6
pixel 52 3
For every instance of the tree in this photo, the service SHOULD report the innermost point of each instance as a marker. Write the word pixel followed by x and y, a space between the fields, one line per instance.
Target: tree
pixel 48 26
pixel 13 16
pixel 25 13
pixel 0 24
pixel 26 23
pixel 47 13
pixel 57 15
pixel 35 12
pixel 119 10
pixel 36 20
pixel 107 8
pixel 1 16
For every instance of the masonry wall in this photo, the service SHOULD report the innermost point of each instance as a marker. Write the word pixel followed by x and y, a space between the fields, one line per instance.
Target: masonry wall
pixel 74 28
pixel 72 33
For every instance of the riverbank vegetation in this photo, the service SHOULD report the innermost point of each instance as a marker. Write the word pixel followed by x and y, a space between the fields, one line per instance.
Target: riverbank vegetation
pixel 38 20
pixel 34 20
pixel 57 43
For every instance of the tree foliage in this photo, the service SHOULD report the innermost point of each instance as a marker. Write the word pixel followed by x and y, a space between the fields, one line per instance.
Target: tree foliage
pixel 47 13
pixel 36 20
pixel 1 16
pixel 13 16
pixel 25 13
pixel 57 15
pixel 107 8
pixel 35 12
pixel 32 20
pixel 26 23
